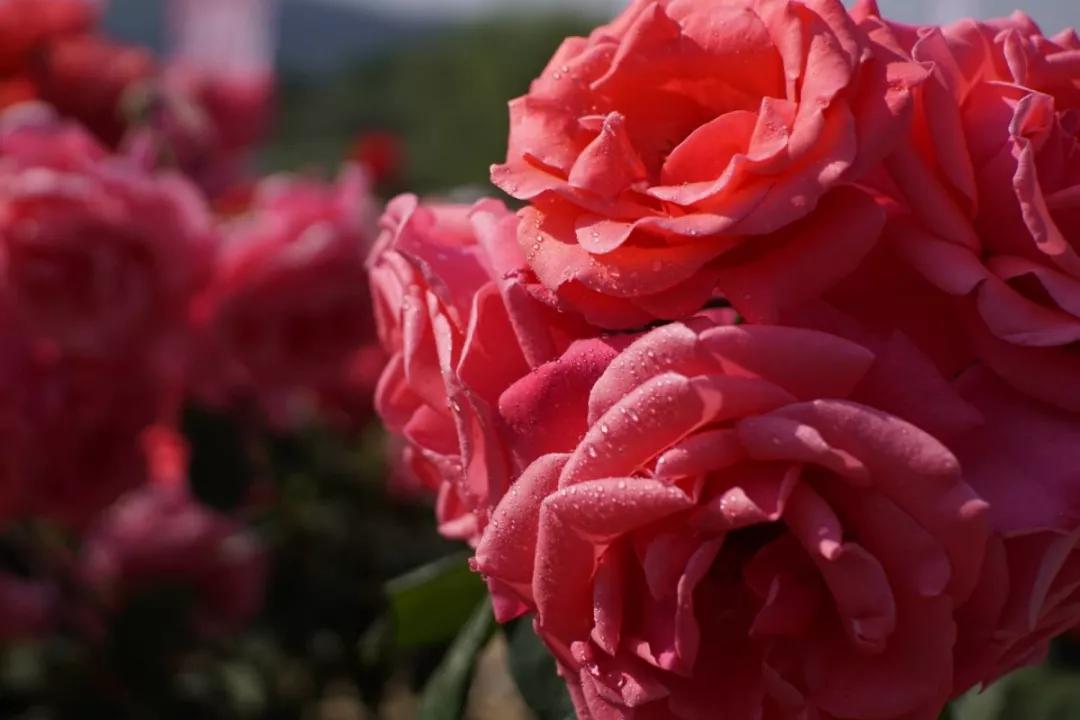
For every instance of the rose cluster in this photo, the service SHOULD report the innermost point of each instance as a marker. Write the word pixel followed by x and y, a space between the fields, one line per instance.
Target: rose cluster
pixel 130 289
pixel 765 405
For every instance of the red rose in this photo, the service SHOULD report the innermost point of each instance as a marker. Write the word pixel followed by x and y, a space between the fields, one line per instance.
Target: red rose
pixel 159 536
pixel 97 257
pixel 28 25
pixel 86 78
pixel 382 154
pixel 288 306
pixel 691 147
pixel 989 182
pixel 456 316
pixel 723 531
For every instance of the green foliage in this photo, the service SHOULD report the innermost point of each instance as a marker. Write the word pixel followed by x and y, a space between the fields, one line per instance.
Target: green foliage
pixel 534 673
pixel 446 98
pixel 444 694
pixel 429 605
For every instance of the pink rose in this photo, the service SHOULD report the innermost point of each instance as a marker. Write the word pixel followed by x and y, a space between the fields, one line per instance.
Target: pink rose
pixel 989 182
pixel 690 147
pixel 1023 461
pixel 288 306
pixel 456 316
pixel 97 257
pixel 160 536
pixel 725 530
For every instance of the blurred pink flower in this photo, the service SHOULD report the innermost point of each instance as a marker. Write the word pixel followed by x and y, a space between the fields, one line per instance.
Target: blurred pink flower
pixel 218 86
pixel 87 78
pixel 159 536
pixel 70 430
pixel 288 307
pixel 98 258
pixel 28 25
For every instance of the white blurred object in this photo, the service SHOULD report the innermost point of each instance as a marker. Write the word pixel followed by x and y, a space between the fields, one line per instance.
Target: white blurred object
pixel 1052 15
pixel 223 37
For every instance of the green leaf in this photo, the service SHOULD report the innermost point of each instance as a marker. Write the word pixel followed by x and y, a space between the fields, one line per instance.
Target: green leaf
pixel 444 695
pixel 980 705
pixel 533 670
pixel 430 604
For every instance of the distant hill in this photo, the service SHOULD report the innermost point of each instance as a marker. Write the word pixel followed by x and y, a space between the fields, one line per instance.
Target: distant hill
pixel 315 37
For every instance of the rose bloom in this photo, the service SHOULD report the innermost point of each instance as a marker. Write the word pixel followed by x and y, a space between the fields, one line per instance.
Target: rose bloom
pixel 289 306
pixel 696 146
pixel 214 99
pixel 455 313
pixel 160 537
pixel 87 78
pixel 989 185
pixel 718 530
pixel 28 25
pixel 98 258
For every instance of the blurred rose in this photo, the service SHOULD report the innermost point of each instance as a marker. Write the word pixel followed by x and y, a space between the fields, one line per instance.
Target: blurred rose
pixel 685 147
pixel 348 400
pixel 218 87
pixel 16 89
pixel 26 26
pixel 70 431
pixel 160 538
pixel 289 305
pixel 381 154
pixel 990 182
pixel 723 532
pixel 87 78
pixel 97 257
pixel 455 314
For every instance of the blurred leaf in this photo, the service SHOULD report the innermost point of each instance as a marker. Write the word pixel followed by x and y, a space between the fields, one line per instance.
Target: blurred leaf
pixel 980 705
pixel 444 695
pixel 220 469
pixel 430 604
pixel 1042 693
pixel 534 672
pixel 244 688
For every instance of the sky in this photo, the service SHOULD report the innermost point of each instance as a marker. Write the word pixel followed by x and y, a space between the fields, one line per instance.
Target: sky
pixel 1052 14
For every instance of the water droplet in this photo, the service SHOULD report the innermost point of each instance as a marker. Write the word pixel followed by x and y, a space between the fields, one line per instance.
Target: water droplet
pixel 604 428
pixel 592 452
